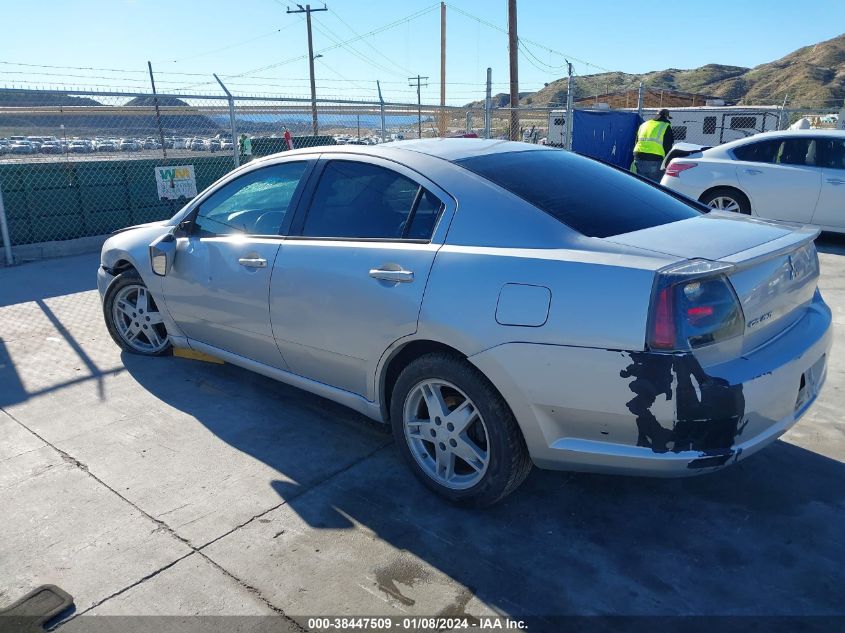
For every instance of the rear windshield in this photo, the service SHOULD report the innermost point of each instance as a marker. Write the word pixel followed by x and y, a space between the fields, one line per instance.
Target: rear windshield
pixel 592 198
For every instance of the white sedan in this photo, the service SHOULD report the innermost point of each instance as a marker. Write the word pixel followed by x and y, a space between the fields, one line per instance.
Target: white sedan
pixel 792 175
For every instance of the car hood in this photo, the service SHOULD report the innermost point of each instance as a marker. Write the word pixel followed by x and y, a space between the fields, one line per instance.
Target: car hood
pixel 139 226
pixel 713 236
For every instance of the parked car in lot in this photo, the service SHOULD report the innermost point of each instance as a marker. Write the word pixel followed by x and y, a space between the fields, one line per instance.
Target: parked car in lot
pixel 129 145
pixel 52 147
pixel 794 175
pixel 22 147
pixel 197 145
pixel 78 147
pixel 498 303
pixel 106 146
pixel 226 144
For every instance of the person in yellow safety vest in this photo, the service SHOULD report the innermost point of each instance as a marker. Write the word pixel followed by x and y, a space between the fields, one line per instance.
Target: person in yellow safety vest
pixel 654 140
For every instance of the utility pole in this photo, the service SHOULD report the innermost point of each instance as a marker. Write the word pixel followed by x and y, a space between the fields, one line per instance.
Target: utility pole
pixel 381 110
pixel 418 81
pixel 158 114
pixel 488 104
pixel 570 110
pixel 513 52
pixel 640 98
pixel 307 10
pixel 442 70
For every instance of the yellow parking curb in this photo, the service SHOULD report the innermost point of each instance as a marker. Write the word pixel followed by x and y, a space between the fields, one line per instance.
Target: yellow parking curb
pixel 182 352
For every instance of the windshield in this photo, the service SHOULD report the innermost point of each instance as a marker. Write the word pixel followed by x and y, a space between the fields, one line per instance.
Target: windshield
pixel 594 199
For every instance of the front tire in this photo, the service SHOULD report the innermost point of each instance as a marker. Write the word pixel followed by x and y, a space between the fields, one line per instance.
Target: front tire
pixel 727 199
pixel 456 432
pixel 132 317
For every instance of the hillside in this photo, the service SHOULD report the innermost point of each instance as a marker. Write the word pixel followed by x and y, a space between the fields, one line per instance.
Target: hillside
pixel 812 76
pixel 31 98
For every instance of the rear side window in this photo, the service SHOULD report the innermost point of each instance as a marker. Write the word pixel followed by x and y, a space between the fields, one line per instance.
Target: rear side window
pixel 759 152
pixel 360 200
pixel 592 198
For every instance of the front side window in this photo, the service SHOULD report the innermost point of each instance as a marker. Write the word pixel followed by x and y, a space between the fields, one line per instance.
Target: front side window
pixel 257 203
pixel 360 200
pixel 790 151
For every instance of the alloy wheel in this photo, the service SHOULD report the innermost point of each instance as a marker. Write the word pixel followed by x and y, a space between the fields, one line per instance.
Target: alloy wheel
pixel 138 320
pixel 724 203
pixel 446 434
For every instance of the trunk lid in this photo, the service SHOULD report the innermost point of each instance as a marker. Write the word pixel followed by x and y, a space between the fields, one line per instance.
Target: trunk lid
pixel 775 266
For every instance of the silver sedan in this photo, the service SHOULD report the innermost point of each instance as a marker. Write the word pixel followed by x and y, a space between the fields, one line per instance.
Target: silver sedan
pixel 499 304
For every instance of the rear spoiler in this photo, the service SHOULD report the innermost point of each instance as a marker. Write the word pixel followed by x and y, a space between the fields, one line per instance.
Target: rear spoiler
pixel 680 150
pixel 802 235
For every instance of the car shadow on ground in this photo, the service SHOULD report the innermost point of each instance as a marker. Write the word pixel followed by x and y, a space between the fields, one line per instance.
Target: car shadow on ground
pixel 762 537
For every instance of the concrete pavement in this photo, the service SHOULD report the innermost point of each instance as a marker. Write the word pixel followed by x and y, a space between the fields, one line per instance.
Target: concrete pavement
pixel 173 487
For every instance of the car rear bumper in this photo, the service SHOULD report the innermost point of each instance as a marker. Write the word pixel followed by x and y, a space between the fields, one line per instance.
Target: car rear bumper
pixel 640 413
pixel 690 190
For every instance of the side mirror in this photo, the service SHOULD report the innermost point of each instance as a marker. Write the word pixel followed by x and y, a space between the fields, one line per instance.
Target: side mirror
pixel 162 253
pixel 184 228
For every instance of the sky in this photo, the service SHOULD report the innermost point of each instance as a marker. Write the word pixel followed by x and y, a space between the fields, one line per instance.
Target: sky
pixel 256 47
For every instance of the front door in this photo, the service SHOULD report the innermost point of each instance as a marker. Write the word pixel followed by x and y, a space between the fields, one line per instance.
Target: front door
pixel 217 289
pixel 830 210
pixel 350 281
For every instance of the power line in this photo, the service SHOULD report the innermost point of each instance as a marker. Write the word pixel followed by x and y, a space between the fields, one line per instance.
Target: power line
pixel 334 38
pixel 522 39
pixel 378 52
pixel 230 46
pixel 397 22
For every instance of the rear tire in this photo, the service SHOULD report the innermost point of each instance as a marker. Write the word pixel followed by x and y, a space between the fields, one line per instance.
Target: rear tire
pixel 133 318
pixel 456 432
pixel 727 199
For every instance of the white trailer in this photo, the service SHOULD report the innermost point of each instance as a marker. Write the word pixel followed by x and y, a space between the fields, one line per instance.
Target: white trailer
pixel 704 125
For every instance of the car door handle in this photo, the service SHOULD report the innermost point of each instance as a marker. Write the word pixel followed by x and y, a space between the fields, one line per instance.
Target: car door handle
pixel 253 262
pixel 753 172
pixel 386 274
pixel 836 181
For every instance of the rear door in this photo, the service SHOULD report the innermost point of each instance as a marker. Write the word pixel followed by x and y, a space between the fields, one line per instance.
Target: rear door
pixel 830 210
pixel 218 287
pixel 781 177
pixel 350 278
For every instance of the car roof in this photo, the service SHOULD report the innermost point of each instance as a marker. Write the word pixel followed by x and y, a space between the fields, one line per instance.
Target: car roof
pixel 794 133
pixel 450 149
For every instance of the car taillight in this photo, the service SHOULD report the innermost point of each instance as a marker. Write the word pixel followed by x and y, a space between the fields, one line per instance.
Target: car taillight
pixel 675 168
pixel 693 304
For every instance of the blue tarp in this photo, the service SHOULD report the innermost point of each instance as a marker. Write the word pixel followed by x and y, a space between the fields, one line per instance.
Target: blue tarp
pixel 606 135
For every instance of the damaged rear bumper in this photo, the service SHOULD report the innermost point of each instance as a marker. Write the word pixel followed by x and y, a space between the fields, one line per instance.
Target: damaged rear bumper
pixel 640 413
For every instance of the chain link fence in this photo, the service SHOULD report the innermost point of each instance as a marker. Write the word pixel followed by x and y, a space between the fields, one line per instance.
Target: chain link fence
pixel 76 164
pixel 85 163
